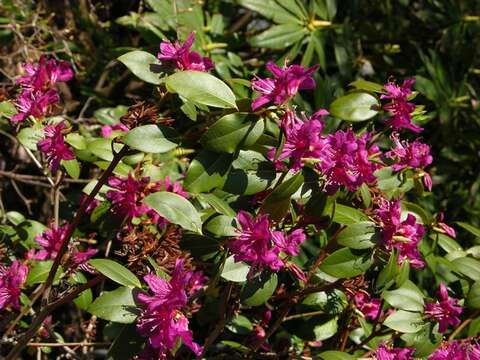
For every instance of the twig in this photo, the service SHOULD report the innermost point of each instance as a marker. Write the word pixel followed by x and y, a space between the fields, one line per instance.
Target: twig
pixel 302 315
pixel 223 321
pixel 20 194
pixel 462 326
pixel 52 344
pixel 31 179
pixel 37 322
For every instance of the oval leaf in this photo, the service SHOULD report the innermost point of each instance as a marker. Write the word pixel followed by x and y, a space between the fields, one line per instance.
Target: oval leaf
pixel 202 88
pixel 344 263
pixel 140 63
pixel 175 209
pixel 151 139
pixel 362 235
pixel 117 305
pixel 407 297
pixel 404 321
pixel 116 272
pixel 235 271
pixel 357 106
pixel 259 289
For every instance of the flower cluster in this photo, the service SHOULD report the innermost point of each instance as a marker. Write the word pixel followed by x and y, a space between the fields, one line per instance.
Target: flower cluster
pixel 415 155
pixel 261 246
pixel 370 307
pixel 11 280
pixel 456 350
pixel 51 241
pixel 162 319
pixel 343 158
pixel 445 311
pixel 399 107
pixel 286 82
pixel 54 147
pixel 401 235
pixel 37 87
pixel 182 58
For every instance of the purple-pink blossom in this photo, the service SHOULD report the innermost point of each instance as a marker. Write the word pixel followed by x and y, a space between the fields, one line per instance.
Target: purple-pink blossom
pixel 53 146
pixel 80 258
pixel 33 103
pixel 370 307
pixel 444 227
pixel 127 196
pixel 399 107
pixel 51 241
pixel 457 350
pixel 182 58
pixel 37 87
pixel 401 235
pixel 11 280
pixel 385 352
pixel 346 161
pixel 162 319
pixel 302 138
pixel 445 311
pixel 260 246
pixel 45 74
pixel 286 82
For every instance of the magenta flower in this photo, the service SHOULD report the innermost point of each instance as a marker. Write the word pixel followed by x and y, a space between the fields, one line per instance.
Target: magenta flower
pixel 286 83
pixel 303 139
pixel 127 196
pixel 384 352
pixel 11 280
pixel 409 155
pixel 162 320
pixel 289 244
pixel 107 130
pixel 445 311
pixel 401 235
pixel 255 242
pixel 345 161
pixel 399 107
pixel 457 350
pixel 51 241
pixel 54 147
pixel 369 307
pixel 45 74
pixel 80 258
pixel 182 58
pixel 33 103
pixel 444 227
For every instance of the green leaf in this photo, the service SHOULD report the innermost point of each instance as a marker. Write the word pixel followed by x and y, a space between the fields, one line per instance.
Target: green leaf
pixel 468 267
pixel 336 355
pixel 259 289
pixel 38 273
pixel 30 136
pixel 232 131
pixel 357 106
pixel 344 263
pixel 151 139
pixel 221 225
pixel 367 85
pixel 140 63
pixel 220 205
pixel 387 275
pixel 407 297
pixel 72 167
pixel 102 148
pixel 424 341
pixel 110 115
pixel 7 109
pixel 346 215
pixel 418 212
pixel 240 325
pixel 326 330
pixel 28 230
pixel 271 10
pixel 279 36
pixel 404 321
pixel 207 171
pixel 175 209
pixel 470 228
pixel 235 271
pixel 277 202
pixel 76 140
pixel 362 235
pixel 473 298
pixel 85 298
pixel 117 305
pixel 202 88
pixel 116 272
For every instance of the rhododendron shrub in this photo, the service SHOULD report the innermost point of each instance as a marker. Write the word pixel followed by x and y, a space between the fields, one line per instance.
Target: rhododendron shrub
pixel 227 218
